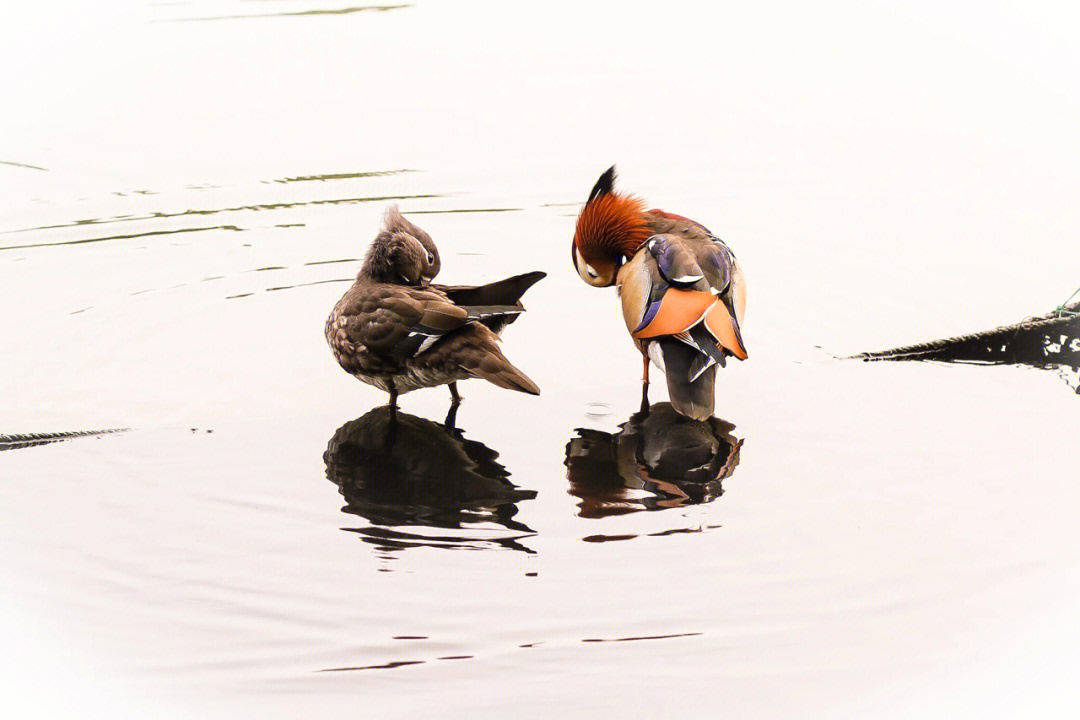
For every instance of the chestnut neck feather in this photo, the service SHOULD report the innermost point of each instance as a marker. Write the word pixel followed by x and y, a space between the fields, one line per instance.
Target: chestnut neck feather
pixel 612 224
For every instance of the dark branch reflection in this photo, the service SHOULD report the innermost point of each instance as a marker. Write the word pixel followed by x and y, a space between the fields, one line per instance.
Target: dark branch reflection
pixel 1049 342
pixel 407 475
pixel 657 460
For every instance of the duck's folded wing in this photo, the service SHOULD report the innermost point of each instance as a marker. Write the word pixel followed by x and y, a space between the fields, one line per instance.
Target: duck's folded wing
pixel 675 260
pixel 655 308
pixel 717 265
pixel 674 312
pixel 401 322
pixel 485 301
pixel 437 318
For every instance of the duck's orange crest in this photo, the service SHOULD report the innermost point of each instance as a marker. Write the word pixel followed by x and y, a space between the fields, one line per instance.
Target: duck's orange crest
pixel 611 224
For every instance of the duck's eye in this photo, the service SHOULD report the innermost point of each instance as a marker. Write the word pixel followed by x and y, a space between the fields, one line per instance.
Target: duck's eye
pixel 592 273
pixel 430 259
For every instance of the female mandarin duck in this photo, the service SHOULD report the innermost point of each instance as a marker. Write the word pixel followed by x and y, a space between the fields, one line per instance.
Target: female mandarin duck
pixel 682 290
pixel 395 330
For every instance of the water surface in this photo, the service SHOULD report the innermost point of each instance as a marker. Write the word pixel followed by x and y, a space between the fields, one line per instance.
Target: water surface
pixel 187 190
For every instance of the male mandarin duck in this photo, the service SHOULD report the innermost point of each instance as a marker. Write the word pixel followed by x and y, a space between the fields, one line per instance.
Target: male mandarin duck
pixel 682 291
pixel 395 330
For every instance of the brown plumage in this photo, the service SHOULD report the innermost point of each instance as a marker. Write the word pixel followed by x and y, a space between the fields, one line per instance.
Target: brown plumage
pixel 394 330
pixel 681 289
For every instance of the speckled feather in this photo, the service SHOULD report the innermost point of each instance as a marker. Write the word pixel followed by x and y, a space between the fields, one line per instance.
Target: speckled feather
pixel 400 337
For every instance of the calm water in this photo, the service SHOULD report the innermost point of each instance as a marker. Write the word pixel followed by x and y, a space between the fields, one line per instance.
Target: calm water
pixel 187 188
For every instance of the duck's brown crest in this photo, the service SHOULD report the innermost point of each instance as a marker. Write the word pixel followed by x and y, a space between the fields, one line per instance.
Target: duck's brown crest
pixel 611 223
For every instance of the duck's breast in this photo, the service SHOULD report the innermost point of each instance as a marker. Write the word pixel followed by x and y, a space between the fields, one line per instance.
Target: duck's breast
pixel 635 284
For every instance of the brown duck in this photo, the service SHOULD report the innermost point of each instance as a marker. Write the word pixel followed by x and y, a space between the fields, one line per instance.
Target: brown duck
pixel 682 290
pixel 395 330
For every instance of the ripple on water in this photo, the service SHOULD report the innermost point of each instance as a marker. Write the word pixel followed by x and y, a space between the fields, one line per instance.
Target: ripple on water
pixel 597 410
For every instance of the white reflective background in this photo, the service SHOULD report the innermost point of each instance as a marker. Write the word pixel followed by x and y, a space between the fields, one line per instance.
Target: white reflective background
pixel 897 540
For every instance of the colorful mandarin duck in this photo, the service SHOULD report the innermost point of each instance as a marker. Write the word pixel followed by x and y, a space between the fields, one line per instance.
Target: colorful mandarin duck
pixel 395 330
pixel 682 290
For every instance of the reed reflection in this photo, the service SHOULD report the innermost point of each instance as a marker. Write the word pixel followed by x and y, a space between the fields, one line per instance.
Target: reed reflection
pixel 658 459
pixel 409 475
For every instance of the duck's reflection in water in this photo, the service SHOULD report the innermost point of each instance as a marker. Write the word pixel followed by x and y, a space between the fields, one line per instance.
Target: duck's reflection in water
pixel 657 460
pixel 409 474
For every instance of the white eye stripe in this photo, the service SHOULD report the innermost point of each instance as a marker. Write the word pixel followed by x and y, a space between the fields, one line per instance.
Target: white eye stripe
pixel 587 271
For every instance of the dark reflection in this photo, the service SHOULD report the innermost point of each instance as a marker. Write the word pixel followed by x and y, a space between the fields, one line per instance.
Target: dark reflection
pixel 657 460
pixel 412 474
pixel 1050 342
pixel 25 440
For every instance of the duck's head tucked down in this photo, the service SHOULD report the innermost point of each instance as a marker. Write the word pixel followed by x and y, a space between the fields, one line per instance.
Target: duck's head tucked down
pixel 610 228
pixel 401 253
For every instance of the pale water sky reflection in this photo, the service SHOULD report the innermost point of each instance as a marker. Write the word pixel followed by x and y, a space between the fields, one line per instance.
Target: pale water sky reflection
pixel 892 539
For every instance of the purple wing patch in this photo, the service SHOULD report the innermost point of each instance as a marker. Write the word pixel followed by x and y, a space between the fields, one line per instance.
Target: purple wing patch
pixel 650 313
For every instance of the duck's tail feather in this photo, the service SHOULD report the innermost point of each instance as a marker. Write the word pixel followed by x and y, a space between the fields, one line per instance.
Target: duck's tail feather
pixel 710 351
pixel 499 371
pixel 503 292
pixel 483 359
pixel 494 317
pixel 486 312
